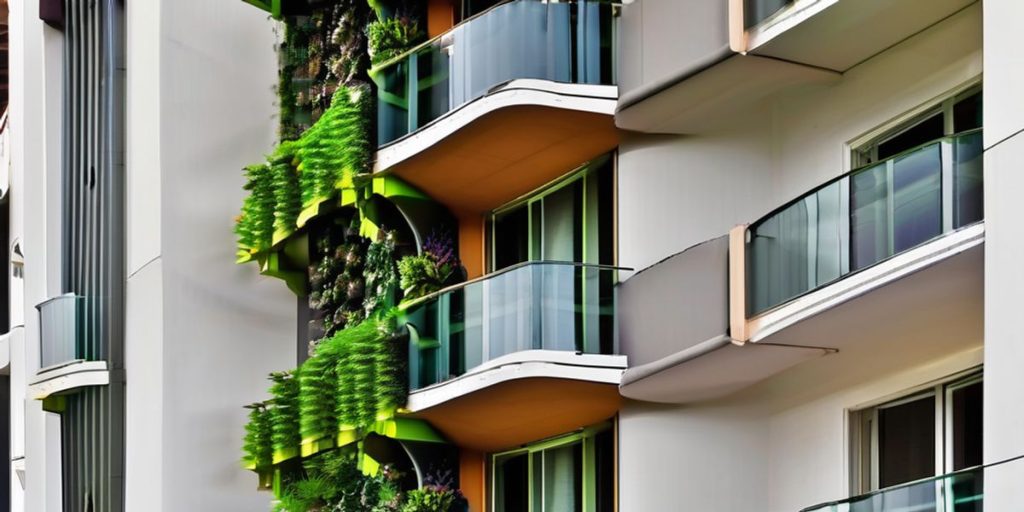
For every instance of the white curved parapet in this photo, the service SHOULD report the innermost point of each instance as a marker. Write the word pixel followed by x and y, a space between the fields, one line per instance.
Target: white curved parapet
pixel 527 364
pixel 66 377
pixel 5 353
pixel 595 99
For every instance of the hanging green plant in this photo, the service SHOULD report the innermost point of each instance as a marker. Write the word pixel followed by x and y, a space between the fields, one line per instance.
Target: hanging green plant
pixel 284 411
pixel 256 446
pixel 381 274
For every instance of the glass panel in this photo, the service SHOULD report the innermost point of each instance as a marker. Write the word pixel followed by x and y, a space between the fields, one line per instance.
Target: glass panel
pixel 917 197
pixel 956 492
pixel 967 425
pixel 869 204
pixel 550 306
pixel 62 336
pixel 392 103
pixel 798 248
pixel 906 442
pixel 562 223
pixel 509 236
pixel 921 133
pixel 563 486
pixel 431 84
pixel 970 197
pixel 604 470
pixel 967 113
pixel 511 486
pixel 557 41
pixel 756 11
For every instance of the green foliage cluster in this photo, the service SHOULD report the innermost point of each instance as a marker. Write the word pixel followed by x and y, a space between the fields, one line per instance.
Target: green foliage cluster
pixel 306 171
pixel 381 274
pixel 255 225
pixel 256 446
pixel 284 415
pixel 391 37
pixel 336 281
pixel 438 266
pixel 319 53
pixel 332 481
pixel 431 499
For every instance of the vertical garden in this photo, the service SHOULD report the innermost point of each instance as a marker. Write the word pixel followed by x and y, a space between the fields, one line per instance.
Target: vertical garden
pixel 315 218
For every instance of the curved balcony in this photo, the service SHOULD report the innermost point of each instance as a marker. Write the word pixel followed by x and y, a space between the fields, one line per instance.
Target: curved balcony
pixel 481 353
pixel 525 89
pixel 993 486
pixel 887 259
pixel 71 354
pixel 864 218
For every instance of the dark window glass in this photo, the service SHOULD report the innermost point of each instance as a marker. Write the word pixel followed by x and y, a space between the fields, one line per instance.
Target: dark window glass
pixel 925 131
pixel 967 426
pixel 967 113
pixel 511 244
pixel 906 442
pixel 869 224
pixel 604 467
pixel 512 492
pixel 756 11
pixel 968 179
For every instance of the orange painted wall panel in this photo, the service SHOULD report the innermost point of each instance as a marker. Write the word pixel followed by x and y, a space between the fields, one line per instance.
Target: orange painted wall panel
pixel 471 479
pixel 471 243
pixel 440 17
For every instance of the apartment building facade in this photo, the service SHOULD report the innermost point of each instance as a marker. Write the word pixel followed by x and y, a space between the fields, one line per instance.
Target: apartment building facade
pixel 558 256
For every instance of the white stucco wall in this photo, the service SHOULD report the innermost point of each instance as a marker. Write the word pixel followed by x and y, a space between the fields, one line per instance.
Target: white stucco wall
pixel 202 331
pixel 1004 252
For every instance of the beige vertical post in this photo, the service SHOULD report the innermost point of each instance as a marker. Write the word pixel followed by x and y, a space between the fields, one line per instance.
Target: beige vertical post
pixel 737 31
pixel 738 284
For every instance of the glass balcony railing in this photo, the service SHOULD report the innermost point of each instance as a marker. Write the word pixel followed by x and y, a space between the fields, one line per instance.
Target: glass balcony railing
pixel 570 42
pixel 63 336
pixel 864 217
pixel 536 305
pixel 960 491
pixel 756 11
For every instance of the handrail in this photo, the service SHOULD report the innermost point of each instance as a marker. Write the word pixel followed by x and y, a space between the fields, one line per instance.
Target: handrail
pixel 851 172
pixel 861 497
pixel 510 268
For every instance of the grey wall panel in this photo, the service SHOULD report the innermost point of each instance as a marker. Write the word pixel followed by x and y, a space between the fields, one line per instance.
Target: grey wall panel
pixel 676 303
pixel 662 39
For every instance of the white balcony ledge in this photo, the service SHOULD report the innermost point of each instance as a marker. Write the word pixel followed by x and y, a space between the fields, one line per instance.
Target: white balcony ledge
pixel 67 377
pixel 522 397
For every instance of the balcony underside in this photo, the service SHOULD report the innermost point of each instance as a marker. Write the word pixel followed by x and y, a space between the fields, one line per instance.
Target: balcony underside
pixel 496 148
pixel 917 306
pixel 701 99
pixel 839 34
pixel 522 397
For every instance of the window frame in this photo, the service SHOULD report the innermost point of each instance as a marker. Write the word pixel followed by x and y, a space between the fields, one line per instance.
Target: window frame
pixel 587 437
pixel 533 201
pixel 863 422
pixel 863 151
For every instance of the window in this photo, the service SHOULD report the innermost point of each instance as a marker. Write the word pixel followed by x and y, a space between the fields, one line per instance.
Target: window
pixel 897 199
pixel 958 114
pixel 573 473
pixel 569 220
pixel 933 432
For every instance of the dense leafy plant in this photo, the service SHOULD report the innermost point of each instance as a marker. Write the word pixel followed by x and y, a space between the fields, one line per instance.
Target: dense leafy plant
pixel 284 412
pixel 431 499
pixel 381 274
pixel 390 37
pixel 436 267
pixel 256 445
pixel 301 173
pixel 332 481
